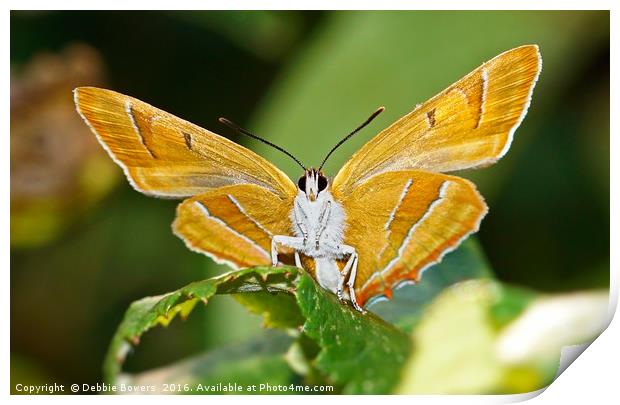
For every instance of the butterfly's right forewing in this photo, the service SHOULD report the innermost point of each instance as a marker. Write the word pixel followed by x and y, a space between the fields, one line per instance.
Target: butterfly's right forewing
pixel 470 124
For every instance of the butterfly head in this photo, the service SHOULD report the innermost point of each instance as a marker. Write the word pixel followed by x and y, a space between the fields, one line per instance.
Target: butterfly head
pixel 312 183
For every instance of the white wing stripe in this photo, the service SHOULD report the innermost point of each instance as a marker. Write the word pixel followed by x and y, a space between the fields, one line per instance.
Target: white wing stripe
pixel 207 214
pixel 403 246
pixel 483 99
pixel 403 194
pixel 242 210
pixel 132 118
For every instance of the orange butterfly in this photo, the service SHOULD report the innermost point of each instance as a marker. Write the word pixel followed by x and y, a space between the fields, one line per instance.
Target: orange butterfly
pixel 388 214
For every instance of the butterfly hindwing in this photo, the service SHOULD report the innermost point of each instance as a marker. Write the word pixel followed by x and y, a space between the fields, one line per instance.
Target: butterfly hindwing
pixel 402 222
pixel 233 224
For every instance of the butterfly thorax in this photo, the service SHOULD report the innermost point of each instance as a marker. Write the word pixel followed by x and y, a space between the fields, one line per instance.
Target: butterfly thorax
pixel 320 223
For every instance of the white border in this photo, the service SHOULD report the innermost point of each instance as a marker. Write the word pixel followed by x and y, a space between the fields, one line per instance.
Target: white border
pixel 593 376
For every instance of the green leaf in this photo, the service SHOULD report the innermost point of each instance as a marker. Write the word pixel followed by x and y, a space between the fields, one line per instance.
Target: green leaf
pixel 481 337
pixel 287 298
pixel 230 369
pixel 278 310
pixel 535 337
pixel 503 339
pixel 510 305
pixel 408 302
pixel 146 313
pixel 454 344
pixel 363 353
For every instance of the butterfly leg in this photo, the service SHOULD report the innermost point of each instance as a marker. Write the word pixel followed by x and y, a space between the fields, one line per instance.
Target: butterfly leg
pixel 350 268
pixel 299 214
pixel 288 241
pixel 297 260
pixel 341 278
pixel 350 284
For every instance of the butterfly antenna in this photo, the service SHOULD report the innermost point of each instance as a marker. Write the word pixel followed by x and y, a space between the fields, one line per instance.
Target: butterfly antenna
pixel 251 135
pixel 346 138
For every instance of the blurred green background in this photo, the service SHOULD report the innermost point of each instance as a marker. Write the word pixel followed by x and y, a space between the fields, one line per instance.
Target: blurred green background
pixel 84 244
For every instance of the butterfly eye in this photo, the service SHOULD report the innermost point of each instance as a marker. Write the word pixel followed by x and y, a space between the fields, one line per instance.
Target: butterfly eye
pixel 322 183
pixel 302 183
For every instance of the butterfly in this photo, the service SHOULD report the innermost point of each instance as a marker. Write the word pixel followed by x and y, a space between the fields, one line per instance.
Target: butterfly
pixel 389 214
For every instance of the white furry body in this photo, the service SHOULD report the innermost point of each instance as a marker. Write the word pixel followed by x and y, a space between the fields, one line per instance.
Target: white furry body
pixel 318 229
pixel 320 220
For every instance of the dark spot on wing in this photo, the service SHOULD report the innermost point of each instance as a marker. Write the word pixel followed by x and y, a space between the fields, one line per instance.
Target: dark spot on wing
pixel 188 140
pixel 430 115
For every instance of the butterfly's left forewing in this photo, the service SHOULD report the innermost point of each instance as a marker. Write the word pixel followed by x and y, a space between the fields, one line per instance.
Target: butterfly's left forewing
pixel 165 156
pixel 236 197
